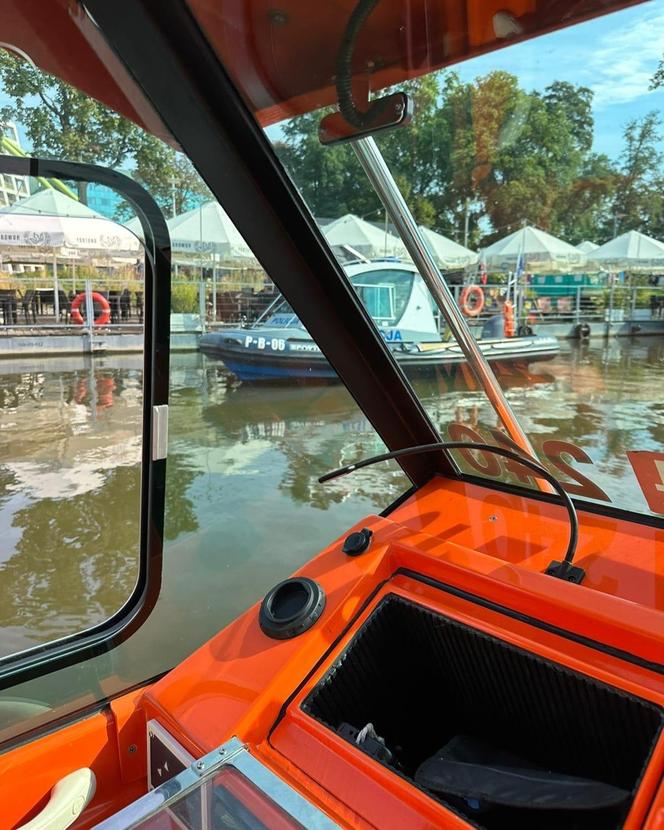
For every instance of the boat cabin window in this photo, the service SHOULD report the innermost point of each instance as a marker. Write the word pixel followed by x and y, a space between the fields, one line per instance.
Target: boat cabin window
pixel 242 458
pixel 384 294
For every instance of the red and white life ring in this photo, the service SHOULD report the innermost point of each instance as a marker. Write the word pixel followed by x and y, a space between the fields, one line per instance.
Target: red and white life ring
pixel 103 317
pixel 472 300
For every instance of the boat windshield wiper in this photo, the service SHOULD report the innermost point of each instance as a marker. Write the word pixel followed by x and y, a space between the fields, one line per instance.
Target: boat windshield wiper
pixel 565 569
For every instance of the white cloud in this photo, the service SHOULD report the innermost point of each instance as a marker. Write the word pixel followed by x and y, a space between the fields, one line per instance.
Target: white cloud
pixel 621 64
pixel 615 56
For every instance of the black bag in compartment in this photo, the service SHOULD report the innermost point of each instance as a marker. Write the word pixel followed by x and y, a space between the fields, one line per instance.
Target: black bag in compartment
pixel 484 775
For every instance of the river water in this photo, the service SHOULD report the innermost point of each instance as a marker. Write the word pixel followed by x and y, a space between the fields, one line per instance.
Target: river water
pixel 243 505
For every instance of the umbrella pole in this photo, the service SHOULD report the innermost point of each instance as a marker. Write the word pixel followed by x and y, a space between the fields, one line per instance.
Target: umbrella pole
pixel 214 289
pixel 56 293
pixel 200 237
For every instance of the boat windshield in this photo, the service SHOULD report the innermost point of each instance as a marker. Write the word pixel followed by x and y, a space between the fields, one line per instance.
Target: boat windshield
pixel 384 293
pixel 533 174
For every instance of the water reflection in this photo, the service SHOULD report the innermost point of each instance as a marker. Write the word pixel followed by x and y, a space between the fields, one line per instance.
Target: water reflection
pixel 314 429
pixel 243 504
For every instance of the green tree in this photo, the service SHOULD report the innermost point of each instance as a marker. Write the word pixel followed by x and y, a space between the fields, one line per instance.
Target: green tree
pixel 574 104
pixel 637 203
pixel 542 156
pixel 331 179
pixel 63 123
pixel 489 152
pixel 585 208
pixel 169 176
pixel 657 80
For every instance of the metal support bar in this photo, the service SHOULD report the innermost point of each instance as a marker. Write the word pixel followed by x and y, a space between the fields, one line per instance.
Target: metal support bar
pixel 202 309
pixel 632 307
pixel 609 315
pixel 383 182
pixel 577 310
pixel 89 309
pixel 201 777
pixel 56 289
pixel 214 292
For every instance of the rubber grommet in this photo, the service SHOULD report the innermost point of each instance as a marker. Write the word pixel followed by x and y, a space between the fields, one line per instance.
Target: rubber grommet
pixel 291 608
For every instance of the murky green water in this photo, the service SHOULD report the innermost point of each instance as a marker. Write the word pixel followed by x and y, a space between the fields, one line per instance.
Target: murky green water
pixel 243 505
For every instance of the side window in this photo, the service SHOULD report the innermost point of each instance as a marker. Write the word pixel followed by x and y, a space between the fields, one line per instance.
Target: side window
pixel 243 507
pixel 71 400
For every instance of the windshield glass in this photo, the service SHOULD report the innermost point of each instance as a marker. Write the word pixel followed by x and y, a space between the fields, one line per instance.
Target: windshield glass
pixel 243 505
pixel 384 293
pixel 533 173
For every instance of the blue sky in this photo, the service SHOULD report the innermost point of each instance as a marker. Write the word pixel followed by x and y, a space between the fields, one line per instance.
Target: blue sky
pixel 615 56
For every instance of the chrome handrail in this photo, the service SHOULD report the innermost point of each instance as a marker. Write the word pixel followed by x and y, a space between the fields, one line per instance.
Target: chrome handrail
pixel 384 184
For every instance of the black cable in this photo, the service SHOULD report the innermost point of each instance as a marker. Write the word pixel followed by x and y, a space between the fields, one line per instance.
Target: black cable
pixel 565 568
pixel 344 69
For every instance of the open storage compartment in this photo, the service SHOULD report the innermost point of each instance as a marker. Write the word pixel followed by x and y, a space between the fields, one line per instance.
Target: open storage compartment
pixel 427 682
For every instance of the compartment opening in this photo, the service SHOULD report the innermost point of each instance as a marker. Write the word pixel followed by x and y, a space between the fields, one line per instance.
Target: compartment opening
pixel 428 684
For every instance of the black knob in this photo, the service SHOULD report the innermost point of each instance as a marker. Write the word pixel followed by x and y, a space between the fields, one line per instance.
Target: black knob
pixel 358 542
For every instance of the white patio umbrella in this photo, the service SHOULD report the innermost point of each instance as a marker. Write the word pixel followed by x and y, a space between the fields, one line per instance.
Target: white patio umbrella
pixel 206 235
pixel 27 228
pixel 534 251
pixel 587 247
pixel 207 231
pixel 367 239
pixel 50 220
pixel 201 232
pixel 134 225
pixel 630 251
pixel 49 202
pixel 447 253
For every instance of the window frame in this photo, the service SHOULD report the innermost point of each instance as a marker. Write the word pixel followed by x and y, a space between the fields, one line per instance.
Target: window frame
pixel 79 646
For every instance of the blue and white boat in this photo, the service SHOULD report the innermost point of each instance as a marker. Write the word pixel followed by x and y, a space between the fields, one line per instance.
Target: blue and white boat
pixel 279 348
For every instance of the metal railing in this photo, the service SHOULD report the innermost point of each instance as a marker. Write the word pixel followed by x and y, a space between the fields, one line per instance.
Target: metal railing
pixel 575 304
pixel 34 303
pixel 41 303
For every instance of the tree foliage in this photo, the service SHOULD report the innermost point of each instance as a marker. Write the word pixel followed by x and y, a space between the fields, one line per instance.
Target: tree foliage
pixel 638 199
pixel 61 122
pixel 496 156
